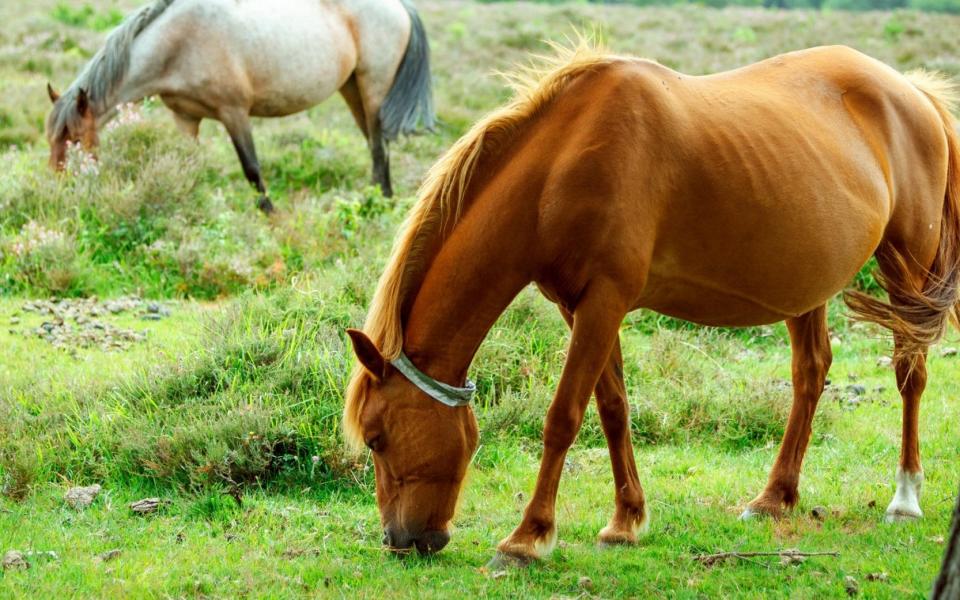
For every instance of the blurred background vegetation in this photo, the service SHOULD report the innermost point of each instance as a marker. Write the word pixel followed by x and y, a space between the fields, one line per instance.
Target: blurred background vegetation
pixel 947 6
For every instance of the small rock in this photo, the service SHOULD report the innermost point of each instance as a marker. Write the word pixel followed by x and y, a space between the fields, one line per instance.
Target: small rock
pixel 856 389
pixel 585 583
pixel 153 308
pixel 107 556
pixel 498 574
pixel 150 317
pixel 878 576
pixel 81 497
pixel 14 560
pixel 884 361
pixel 14 320
pixel 948 351
pixel 850 584
pixel 792 556
pixel 146 506
pixel 819 513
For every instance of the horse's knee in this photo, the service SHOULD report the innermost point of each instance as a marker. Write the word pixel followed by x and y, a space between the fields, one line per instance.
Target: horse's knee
pixel 614 414
pixel 560 428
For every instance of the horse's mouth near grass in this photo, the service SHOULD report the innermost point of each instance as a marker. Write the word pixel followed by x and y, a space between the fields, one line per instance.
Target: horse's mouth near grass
pixel 425 544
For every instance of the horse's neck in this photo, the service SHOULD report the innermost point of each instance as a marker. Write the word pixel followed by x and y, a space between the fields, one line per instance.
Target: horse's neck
pixel 469 284
pixel 140 80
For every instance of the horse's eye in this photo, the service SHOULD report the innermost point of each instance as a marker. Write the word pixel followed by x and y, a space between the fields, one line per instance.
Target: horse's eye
pixel 375 443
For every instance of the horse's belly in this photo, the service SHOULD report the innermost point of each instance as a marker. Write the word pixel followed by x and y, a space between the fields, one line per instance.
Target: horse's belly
pixel 295 61
pixel 761 265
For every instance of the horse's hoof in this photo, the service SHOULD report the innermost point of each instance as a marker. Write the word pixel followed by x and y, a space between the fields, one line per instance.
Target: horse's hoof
pixel 902 516
pixel 265 206
pixel 754 514
pixel 502 561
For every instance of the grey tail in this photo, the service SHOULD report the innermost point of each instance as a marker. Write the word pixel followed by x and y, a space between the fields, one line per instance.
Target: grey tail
pixel 409 104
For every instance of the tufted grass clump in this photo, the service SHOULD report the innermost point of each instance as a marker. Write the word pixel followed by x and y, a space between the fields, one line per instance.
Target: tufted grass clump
pixel 257 403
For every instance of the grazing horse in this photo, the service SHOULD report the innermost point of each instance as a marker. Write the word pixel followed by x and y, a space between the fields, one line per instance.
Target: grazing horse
pixel 742 198
pixel 227 60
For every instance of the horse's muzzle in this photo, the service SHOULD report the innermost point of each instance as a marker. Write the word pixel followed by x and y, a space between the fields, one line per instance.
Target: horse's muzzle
pixel 428 542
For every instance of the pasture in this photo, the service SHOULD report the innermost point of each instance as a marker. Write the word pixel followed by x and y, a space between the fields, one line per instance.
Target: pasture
pixel 229 410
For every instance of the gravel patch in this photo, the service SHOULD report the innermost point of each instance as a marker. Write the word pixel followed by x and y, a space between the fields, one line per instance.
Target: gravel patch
pixel 73 323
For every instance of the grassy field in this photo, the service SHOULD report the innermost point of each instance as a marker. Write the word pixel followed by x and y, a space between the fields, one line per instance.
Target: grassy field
pixel 229 410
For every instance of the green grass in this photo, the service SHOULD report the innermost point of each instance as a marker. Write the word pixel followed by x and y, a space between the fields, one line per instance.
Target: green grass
pixel 238 393
pixel 320 535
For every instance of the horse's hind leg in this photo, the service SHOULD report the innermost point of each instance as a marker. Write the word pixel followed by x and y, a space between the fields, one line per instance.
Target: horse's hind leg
pixel 238 126
pixel 372 93
pixel 921 297
pixel 630 516
pixel 351 94
pixel 911 381
pixel 811 361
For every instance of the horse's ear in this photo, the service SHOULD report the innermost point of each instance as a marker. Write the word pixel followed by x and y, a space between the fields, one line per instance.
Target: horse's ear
pixel 54 96
pixel 367 353
pixel 83 102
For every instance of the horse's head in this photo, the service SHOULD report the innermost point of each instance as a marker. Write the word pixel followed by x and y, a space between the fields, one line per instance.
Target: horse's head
pixel 71 122
pixel 421 450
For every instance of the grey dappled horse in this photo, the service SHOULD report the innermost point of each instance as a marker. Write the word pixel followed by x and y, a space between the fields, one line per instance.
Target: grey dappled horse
pixel 229 60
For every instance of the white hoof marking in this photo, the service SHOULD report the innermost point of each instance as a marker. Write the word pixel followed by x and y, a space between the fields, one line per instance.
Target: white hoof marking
pixel 546 544
pixel 905 505
pixel 643 527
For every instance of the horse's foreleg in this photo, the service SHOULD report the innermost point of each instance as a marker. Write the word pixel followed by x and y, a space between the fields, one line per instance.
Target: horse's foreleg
pixel 630 516
pixel 911 381
pixel 238 126
pixel 596 321
pixel 811 362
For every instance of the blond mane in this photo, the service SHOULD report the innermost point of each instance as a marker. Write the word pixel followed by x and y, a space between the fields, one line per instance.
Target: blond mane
pixel 442 198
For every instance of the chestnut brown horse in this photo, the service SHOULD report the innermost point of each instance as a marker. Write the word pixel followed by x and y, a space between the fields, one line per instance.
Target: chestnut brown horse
pixel 228 60
pixel 741 198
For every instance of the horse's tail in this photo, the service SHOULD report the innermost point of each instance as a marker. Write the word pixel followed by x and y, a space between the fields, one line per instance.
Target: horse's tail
pixel 920 311
pixel 409 104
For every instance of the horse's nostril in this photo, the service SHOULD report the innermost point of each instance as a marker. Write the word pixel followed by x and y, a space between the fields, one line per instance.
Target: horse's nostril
pixel 395 540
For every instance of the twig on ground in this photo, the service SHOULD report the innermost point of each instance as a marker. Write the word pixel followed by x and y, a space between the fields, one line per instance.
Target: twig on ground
pixel 709 560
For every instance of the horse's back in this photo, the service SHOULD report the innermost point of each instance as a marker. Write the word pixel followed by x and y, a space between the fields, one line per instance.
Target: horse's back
pixel 277 58
pixel 755 195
